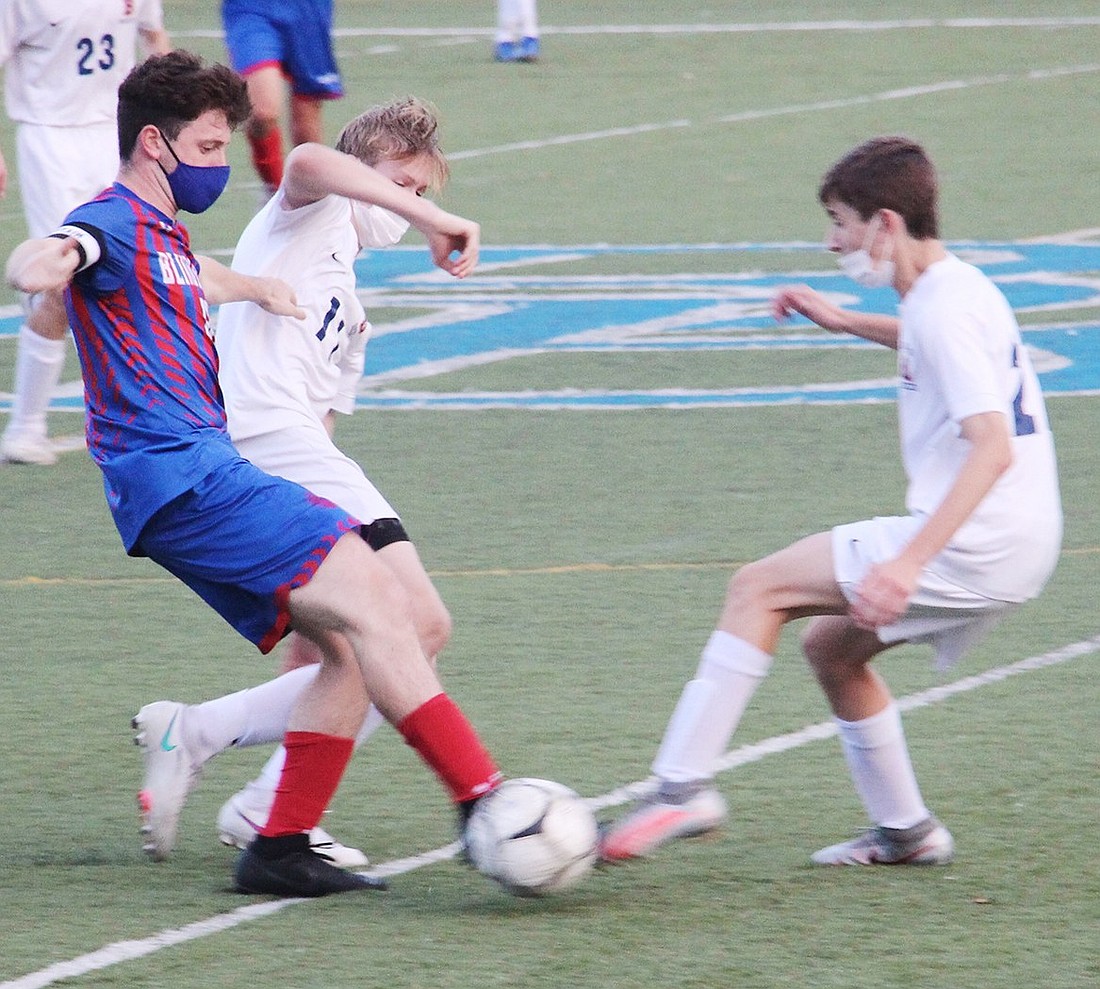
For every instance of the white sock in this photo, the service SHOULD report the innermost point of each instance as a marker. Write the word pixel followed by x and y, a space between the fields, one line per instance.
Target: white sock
pixel 259 795
pixel 253 716
pixel 38 366
pixel 508 20
pixel 709 708
pixel 528 19
pixel 878 760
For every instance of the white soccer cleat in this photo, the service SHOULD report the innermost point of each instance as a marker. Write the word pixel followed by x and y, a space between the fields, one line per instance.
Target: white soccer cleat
pixel 662 818
pixel 26 449
pixel 927 843
pixel 239 823
pixel 170 773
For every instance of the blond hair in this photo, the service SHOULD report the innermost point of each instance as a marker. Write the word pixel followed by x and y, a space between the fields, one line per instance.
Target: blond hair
pixel 406 128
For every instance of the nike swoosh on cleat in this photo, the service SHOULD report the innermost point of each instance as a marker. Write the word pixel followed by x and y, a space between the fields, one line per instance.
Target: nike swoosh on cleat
pixel 167 732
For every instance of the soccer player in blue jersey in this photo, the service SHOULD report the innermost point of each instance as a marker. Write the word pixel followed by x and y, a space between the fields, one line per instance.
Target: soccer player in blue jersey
pixel 262 551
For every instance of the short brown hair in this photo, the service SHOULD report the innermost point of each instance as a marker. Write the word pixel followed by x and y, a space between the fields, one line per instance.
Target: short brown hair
pixel 892 173
pixel 405 128
pixel 170 91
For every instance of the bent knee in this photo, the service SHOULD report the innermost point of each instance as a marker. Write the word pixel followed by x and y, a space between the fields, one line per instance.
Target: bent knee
pixel 748 588
pixel 833 645
pixel 817 643
pixel 434 631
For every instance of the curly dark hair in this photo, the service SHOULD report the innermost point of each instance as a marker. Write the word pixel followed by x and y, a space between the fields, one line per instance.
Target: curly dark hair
pixel 169 91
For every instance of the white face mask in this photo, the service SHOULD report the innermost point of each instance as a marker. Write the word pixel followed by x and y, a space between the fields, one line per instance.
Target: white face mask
pixel 861 268
pixel 377 227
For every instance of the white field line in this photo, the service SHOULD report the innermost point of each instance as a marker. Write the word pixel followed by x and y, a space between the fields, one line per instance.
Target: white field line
pixel 908 92
pixel 124 951
pixel 767 27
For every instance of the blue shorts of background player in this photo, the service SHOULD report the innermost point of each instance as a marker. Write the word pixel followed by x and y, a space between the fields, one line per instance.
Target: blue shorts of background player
pixel 243 540
pixel 271 42
pixel 295 35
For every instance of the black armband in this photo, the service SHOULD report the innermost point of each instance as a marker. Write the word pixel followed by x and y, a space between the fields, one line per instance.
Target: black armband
pixel 382 532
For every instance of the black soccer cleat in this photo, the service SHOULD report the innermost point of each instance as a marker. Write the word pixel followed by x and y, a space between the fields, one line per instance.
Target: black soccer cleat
pixel 288 867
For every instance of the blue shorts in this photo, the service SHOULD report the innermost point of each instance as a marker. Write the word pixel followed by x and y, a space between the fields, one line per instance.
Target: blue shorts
pixel 243 540
pixel 296 36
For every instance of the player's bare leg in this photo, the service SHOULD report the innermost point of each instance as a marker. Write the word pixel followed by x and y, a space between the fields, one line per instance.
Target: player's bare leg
pixel 760 599
pixel 353 607
pixel 306 119
pixel 244 814
pixel 429 614
pixel 869 723
pixel 266 91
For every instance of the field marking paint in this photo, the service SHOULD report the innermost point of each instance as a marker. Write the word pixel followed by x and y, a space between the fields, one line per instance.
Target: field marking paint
pixel 908 92
pixel 124 951
pixel 765 27
pixel 550 569
pixel 511 314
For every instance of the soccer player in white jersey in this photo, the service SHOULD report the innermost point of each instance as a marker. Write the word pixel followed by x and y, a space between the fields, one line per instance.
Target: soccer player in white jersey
pixel 982 533
pixel 64 61
pixel 284 381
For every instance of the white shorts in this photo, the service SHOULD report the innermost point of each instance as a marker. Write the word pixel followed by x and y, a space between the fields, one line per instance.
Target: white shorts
pixel 306 455
pixel 62 167
pixel 949 618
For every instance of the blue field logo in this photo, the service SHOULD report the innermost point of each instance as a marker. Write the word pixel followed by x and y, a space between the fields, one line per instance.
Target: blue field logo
pixel 519 304
pixel 528 300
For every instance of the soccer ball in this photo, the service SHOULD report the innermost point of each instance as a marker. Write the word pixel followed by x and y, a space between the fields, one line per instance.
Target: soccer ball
pixel 532 836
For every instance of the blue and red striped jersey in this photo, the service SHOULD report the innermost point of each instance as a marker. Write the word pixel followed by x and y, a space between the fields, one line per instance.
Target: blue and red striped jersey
pixel 155 416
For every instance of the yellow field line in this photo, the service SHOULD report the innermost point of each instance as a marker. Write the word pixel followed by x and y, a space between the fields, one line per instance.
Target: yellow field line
pixel 564 568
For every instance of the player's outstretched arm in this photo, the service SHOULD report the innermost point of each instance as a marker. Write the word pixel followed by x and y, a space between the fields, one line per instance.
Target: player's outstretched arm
pixel 221 284
pixel 314 171
pixel 813 305
pixel 43 264
pixel 454 242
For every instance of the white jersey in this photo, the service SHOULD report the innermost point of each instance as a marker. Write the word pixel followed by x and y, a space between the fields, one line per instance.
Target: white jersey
pixel 960 354
pixel 65 59
pixel 278 371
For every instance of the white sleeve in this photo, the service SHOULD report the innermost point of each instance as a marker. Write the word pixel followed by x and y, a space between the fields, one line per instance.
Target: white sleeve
pixel 351 370
pixel 9 30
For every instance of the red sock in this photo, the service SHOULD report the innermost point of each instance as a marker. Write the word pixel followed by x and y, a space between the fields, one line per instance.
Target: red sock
pixel 447 742
pixel 311 773
pixel 267 156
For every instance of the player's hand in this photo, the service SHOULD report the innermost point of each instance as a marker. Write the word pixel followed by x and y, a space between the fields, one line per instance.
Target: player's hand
pixel 3 177
pixel 883 595
pixel 809 303
pixel 43 265
pixel 455 244
pixel 278 298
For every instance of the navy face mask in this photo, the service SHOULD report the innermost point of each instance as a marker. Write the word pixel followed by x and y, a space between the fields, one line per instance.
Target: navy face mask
pixel 195 187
